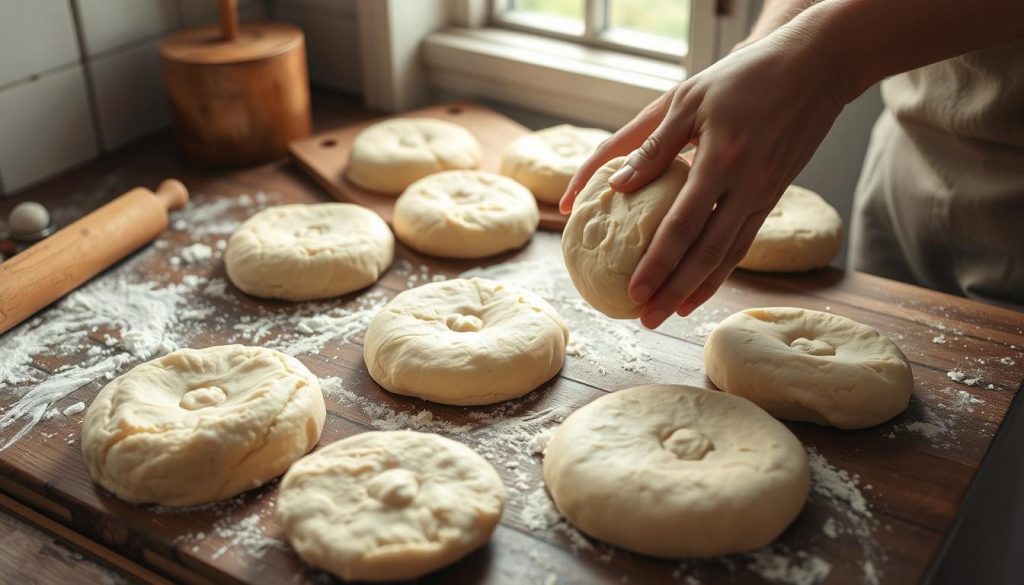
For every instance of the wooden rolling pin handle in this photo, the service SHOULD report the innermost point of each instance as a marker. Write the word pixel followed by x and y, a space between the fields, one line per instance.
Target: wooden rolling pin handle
pixel 64 261
pixel 229 19
pixel 172 193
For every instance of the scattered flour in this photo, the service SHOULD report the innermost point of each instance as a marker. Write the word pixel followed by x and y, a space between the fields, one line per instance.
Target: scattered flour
pixel 796 568
pixel 196 253
pixel 850 515
pixel 829 528
pixel 539 513
pixel 245 535
pixel 304 328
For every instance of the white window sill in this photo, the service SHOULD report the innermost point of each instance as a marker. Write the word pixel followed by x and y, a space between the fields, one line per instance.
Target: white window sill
pixel 598 87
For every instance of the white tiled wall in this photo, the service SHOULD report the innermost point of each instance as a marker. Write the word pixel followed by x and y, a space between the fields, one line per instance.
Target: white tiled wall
pixel 128 93
pixel 34 37
pixel 109 24
pixel 44 127
pixel 78 77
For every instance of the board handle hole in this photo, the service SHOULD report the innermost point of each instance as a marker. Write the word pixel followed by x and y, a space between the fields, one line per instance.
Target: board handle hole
pixel 328 143
pixel 455 110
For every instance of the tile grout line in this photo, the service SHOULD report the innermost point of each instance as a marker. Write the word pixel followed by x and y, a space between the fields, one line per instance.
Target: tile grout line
pixel 90 86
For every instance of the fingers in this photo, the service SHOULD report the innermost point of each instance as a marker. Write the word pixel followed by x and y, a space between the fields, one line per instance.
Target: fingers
pixel 715 246
pixel 659 148
pixel 680 228
pixel 739 249
pixel 626 140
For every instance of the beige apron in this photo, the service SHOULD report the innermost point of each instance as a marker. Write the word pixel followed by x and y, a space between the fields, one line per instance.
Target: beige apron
pixel 940 201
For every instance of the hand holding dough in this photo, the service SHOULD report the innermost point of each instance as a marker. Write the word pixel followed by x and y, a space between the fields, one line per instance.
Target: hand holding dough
pixel 810 366
pixel 608 232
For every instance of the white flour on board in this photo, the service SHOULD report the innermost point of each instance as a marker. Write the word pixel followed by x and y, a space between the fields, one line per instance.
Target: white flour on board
pixel 594 337
pixel 245 535
pixel 144 315
pixel 303 328
pixel 851 515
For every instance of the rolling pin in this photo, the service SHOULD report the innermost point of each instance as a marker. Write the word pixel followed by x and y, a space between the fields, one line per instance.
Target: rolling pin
pixel 62 262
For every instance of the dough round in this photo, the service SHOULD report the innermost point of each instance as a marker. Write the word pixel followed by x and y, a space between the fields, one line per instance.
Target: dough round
pixel 303 252
pixel 545 161
pixel 389 506
pixel 465 342
pixel 677 471
pixel 608 232
pixel 389 156
pixel 810 366
pixel 465 214
pixel 202 425
pixel 803 232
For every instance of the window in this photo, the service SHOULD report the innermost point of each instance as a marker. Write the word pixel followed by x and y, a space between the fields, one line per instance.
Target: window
pixel 662 29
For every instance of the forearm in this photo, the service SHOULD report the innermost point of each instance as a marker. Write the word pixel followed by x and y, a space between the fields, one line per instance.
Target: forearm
pixel 774 14
pixel 865 41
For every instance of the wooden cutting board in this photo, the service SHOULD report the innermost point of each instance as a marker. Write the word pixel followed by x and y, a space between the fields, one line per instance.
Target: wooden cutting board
pixel 325 155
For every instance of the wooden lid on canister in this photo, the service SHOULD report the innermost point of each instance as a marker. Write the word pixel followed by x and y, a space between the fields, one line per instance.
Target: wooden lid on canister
pixel 238 94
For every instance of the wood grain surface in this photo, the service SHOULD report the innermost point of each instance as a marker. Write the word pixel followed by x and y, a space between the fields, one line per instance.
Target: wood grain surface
pixel 325 155
pixel 883 498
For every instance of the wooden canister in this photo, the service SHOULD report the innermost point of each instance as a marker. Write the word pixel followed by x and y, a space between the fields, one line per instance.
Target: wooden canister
pixel 238 94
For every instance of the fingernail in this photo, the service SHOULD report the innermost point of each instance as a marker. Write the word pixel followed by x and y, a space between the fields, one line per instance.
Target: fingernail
pixel 624 174
pixel 686 309
pixel 641 293
pixel 654 318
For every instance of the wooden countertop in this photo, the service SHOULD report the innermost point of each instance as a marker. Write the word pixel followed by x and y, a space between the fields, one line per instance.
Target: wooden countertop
pixel 883 498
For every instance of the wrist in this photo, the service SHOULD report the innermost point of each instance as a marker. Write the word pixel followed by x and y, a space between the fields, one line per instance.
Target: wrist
pixel 827 49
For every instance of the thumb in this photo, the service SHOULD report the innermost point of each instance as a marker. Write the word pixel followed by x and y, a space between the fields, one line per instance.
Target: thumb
pixel 656 153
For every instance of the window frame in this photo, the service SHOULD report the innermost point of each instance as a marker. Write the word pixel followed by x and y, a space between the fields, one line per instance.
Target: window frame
pixel 415 52
pixel 698 48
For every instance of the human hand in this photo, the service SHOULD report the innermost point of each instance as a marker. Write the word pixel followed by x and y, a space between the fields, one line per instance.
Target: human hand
pixel 756 118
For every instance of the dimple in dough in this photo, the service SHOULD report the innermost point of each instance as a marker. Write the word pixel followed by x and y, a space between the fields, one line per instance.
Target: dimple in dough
pixel 465 214
pixel 201 425
pixel 389 506
pixel 545 161
pixel 465 342
pixel 389 156
pixel 302 252
pixel 608 232
pixel 810 366
pixel 677 471
pixel 802 232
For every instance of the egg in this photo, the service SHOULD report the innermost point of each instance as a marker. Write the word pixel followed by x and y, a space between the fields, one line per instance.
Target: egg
pixel 28 218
